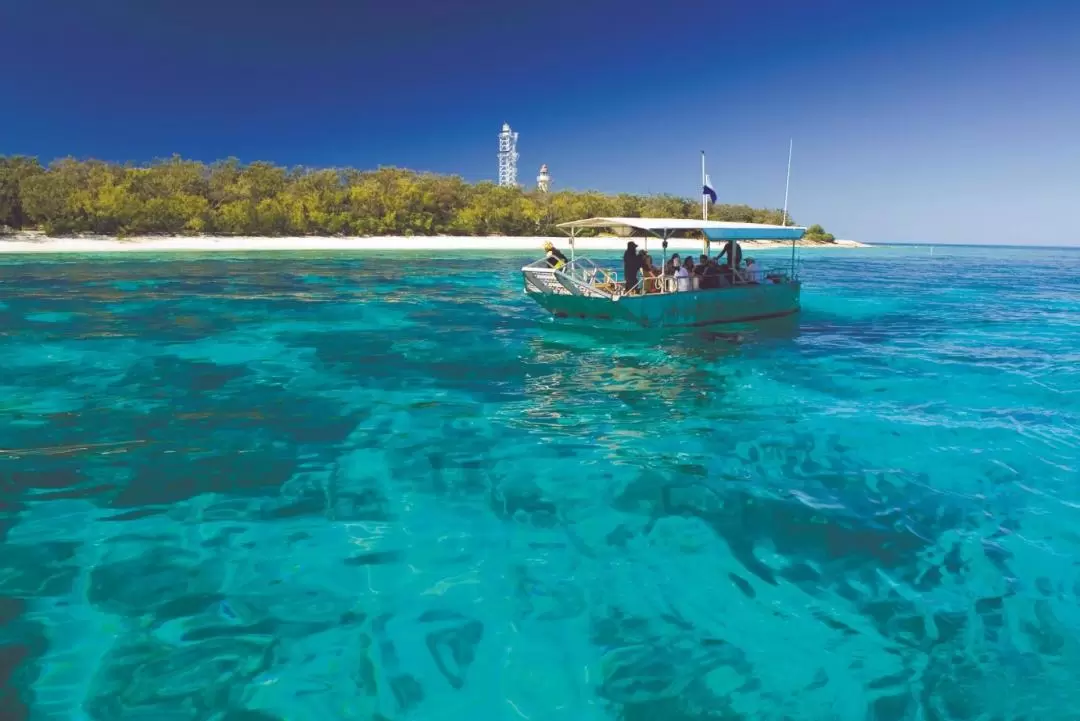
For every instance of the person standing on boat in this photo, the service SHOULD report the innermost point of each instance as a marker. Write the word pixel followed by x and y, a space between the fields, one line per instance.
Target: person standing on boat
pixel 631 266
pixel 733 253
pixel 555 258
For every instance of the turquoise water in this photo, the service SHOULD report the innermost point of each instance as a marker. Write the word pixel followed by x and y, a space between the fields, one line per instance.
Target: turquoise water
pixel 309 488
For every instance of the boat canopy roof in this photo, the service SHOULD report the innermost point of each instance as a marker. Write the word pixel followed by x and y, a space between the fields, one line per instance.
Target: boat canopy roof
pixel 713 229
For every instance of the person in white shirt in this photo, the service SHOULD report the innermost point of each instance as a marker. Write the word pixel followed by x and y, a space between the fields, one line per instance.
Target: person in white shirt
pixel 682 279
pixel 753 273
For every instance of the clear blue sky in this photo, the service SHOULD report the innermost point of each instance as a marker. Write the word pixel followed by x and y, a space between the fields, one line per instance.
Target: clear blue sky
pixel 913 121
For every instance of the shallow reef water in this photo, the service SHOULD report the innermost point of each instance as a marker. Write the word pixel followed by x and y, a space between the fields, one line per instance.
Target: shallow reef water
pixel 329 486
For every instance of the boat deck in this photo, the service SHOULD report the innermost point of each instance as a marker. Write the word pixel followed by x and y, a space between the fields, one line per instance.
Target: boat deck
pixel 582 290
pixel 585 278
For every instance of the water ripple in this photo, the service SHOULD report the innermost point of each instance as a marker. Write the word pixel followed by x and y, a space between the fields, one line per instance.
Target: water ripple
pixel 312 487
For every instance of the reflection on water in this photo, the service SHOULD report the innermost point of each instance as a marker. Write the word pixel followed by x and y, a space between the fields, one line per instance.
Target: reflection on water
pixel 307 487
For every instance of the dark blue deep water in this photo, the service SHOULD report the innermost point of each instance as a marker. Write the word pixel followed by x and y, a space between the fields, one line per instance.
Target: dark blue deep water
pixel 315 487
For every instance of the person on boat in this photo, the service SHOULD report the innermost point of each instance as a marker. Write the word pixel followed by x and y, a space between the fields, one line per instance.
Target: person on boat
pixel 733 253
pixel 655 275
pixel 682 276
pixel 691 272
pixel 728 273
pixel 672 265
pixel 752 273
pixel 649 273
pixel 555 257
pixel 710 275
pixel 700 267
pixel 631 266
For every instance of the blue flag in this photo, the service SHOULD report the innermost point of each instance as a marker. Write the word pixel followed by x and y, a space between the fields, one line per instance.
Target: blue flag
pixel 707 190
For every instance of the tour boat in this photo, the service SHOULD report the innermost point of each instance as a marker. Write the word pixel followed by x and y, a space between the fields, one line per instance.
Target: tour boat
pixel 579 289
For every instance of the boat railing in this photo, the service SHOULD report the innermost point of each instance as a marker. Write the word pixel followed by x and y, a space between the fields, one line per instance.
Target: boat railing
pixel 578 277
pixel 582 276
pixel 585 270
pixel 666 283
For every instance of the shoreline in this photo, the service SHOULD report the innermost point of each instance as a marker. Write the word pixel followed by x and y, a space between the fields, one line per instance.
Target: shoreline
pixel 33 242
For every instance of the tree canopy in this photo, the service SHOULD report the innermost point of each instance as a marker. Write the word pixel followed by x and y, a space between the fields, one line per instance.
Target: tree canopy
pixel 177 196
pixel 816 233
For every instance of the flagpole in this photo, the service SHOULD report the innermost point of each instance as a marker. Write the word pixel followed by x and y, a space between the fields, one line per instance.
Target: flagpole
pixel 787 183
pixel 704 198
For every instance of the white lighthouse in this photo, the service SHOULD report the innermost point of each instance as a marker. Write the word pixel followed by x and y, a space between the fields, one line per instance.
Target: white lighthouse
pixel 543 180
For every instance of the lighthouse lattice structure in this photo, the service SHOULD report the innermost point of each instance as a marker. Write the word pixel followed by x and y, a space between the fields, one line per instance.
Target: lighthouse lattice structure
pixel 543 180
pixel 508 156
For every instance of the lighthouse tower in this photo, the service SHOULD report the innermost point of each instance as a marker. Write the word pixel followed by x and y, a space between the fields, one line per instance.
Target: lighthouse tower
pixel 508 156
pixel 543 180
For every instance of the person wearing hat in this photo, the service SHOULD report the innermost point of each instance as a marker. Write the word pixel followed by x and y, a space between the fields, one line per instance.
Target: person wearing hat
pixel 555 258
pixel 631 266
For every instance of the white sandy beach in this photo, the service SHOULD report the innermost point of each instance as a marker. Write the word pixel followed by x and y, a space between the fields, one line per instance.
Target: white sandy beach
pixel 33 242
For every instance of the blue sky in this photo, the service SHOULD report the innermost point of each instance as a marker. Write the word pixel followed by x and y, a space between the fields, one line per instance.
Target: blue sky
pixel 914 121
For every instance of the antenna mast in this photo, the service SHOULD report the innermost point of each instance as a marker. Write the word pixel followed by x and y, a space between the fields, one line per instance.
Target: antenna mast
pixel 508 156
pixel 787 185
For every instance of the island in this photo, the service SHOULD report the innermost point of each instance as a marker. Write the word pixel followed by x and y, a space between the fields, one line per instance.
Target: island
pixel 180 204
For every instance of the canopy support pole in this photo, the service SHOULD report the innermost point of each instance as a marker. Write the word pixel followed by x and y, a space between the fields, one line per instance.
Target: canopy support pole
pixel 793 258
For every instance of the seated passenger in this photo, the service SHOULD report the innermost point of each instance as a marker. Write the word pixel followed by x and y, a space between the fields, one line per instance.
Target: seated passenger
pixel 691 268
pixel 672 265
pixel 699 269
pixel 683 282
pixel 710 276
pixel 752 273
pixel 727 274
pixel 650 274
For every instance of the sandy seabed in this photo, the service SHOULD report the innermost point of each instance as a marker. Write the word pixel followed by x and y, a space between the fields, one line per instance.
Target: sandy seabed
pixel 40 243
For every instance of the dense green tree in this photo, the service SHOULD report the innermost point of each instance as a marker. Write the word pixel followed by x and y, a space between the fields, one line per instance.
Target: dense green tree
pixel 177 196
pixel 50 200
pixel 817 234
pixel 14 172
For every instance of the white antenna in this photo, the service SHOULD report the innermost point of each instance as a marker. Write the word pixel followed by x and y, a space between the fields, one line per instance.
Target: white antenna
pixel 787 186
pixel 508 156
pixel 787 183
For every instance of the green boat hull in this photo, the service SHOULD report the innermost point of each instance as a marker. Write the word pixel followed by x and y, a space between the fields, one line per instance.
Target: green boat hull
pixel 673 310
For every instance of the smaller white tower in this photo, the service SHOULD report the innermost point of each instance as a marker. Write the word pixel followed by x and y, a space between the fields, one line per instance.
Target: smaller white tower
pixel 543 180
